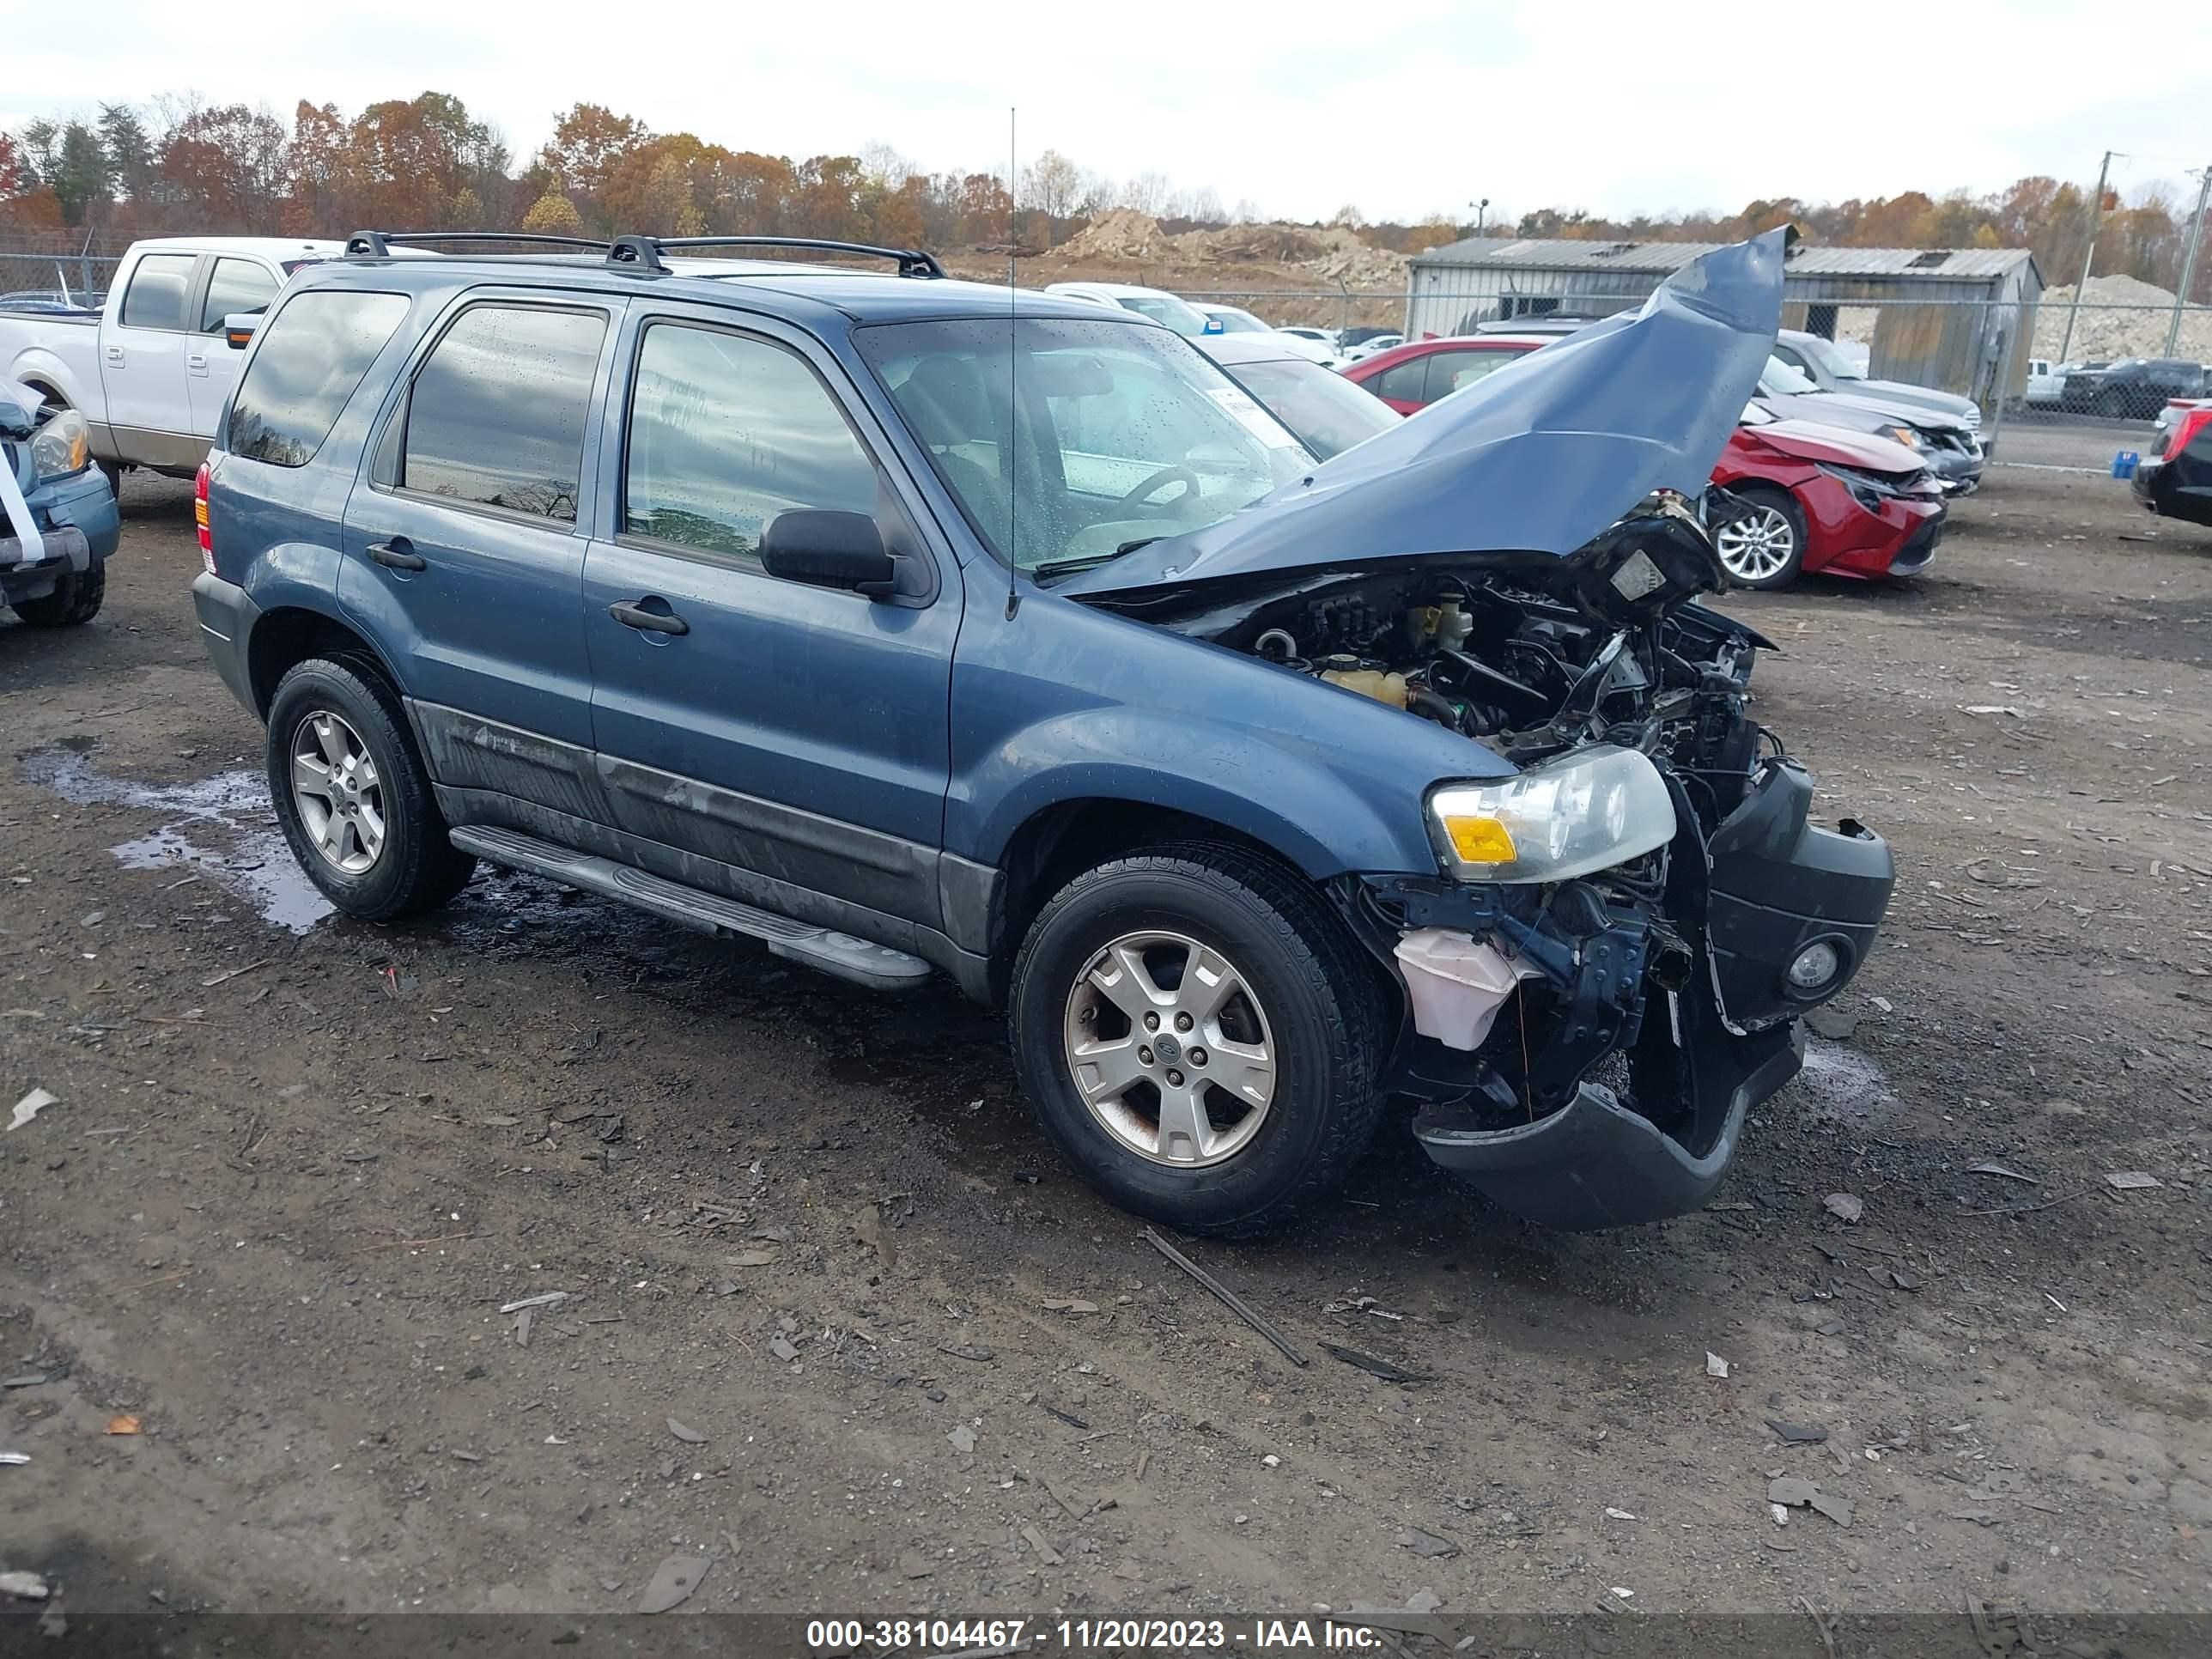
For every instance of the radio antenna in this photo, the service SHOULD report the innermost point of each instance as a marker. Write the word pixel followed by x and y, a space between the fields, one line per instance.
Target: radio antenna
pixel 1013 446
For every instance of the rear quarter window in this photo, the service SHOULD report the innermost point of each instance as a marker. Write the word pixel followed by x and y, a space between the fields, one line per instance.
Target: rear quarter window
pixel 308 365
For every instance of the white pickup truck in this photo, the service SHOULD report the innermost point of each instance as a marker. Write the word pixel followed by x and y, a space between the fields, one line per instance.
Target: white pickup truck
pixel 149 370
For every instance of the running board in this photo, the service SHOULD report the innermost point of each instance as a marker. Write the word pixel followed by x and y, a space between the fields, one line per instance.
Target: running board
pixel 878 967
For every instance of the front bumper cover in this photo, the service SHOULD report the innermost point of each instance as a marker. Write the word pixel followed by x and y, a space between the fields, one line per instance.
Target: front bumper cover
pixel 1692 992
pixel 1594 1163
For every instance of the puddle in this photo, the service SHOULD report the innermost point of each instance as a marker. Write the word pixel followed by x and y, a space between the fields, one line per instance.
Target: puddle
pixel 219 827
pixel 1842 1085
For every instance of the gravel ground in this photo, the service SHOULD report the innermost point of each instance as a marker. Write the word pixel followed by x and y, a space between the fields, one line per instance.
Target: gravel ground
pixel 297 1167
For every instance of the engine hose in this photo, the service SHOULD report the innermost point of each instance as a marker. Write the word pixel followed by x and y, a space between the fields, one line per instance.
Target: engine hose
pixel 1419 700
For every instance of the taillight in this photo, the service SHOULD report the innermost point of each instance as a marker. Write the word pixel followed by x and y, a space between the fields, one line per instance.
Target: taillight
pixel 200 518
pixel 2192 425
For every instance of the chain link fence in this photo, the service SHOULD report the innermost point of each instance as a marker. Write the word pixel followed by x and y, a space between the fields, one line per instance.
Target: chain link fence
pixel 37 274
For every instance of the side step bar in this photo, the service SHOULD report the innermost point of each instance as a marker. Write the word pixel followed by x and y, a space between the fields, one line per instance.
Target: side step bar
pixel 876 966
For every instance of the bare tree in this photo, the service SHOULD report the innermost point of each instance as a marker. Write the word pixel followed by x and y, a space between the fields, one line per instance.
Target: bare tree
pixel 882 166
pixel 1147 193
pixel 1347 217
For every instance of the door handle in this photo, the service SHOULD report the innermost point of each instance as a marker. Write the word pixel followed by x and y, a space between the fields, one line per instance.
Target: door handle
pixel 652 622
pixel 396 555
pixel 115 356
pixel 195 364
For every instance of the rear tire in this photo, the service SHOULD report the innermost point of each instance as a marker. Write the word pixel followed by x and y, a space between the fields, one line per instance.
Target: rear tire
pixel 75 601
pixel 1761 540
pixel 1282 1068
pixel 365 827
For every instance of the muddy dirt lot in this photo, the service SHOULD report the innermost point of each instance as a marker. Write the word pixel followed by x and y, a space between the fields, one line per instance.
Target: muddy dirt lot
pixel 296 1167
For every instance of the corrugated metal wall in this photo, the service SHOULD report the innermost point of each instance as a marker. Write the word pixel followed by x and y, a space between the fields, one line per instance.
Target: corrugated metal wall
pixel 1961 334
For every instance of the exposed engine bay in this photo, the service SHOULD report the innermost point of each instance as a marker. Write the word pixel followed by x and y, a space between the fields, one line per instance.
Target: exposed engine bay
pixel 1644 1005
pixel 1533 658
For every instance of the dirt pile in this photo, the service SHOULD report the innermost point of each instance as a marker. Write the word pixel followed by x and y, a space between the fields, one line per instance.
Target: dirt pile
pixel 1123 234
pixel 1333 254
pixel 2120 317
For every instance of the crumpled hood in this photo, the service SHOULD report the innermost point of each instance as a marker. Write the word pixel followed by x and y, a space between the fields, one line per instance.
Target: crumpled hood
pixel 1537 458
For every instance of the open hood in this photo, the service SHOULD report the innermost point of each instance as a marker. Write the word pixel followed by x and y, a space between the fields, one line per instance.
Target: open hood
pixel 1539 458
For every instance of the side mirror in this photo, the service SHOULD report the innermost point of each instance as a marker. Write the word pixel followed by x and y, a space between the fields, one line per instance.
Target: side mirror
pixel 825 549
pixel 238 328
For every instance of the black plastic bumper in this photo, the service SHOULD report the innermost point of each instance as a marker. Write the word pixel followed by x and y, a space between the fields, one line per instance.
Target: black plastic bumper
pixel 1596 1164
pixel 67 550
pixel 226 616
pixel 1709 1027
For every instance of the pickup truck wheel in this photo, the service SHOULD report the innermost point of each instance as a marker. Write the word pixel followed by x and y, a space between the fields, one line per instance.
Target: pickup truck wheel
pixel 75 601
pixel 353 798
pixel 1200 1037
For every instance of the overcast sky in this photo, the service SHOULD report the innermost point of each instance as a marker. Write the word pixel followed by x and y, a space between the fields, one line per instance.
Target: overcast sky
pixel 1413 108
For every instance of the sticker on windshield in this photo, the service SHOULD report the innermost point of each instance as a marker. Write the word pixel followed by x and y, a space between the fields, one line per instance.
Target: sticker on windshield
pixel 1253 419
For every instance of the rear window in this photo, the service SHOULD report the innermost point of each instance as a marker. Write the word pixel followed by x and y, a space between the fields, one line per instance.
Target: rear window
pixel 309 362
pixel 155 298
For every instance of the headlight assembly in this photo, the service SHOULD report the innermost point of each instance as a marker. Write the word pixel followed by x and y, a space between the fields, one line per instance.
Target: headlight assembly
pixel 61 447
pixel 1589 810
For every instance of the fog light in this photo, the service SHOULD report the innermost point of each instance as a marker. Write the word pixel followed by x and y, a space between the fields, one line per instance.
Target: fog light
pixel 1815 966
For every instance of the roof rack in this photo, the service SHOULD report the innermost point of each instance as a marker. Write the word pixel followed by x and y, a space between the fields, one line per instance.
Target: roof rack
pixel 644 251
pixel 638 253
pixel 375 244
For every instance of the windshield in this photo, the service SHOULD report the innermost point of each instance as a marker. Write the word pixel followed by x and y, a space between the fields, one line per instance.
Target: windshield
pixel 1326 410
pixel 1824 353
pixel 1184 317
pixel 1121 435
pixel 1781 381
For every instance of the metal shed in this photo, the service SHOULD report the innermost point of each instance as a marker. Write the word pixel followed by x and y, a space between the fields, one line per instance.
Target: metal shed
pixel 1953 318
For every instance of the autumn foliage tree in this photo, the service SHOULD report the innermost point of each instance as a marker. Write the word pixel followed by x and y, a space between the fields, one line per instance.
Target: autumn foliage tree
pixel 426 163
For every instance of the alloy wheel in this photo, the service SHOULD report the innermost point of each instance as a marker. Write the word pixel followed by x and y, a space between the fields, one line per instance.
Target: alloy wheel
pixel 338 793
pixel 1757 544
pixel 1170 1049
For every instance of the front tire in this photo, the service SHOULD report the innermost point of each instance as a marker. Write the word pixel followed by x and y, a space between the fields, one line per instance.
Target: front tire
pixel 76 600
pixel 1761 543
pixel 1200 1037
pixel 353 798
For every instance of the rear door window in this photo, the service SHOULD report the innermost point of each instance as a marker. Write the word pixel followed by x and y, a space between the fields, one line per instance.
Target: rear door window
pixel 235 286
pixel 495 417
pixel 310 360
pixel 155 298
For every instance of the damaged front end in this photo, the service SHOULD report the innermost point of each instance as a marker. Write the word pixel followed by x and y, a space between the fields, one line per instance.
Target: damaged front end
pixel 1630 907
pixel 1606 972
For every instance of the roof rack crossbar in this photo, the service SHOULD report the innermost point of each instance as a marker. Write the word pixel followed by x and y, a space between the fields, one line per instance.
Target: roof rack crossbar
pixel 643 252
pixel 375 244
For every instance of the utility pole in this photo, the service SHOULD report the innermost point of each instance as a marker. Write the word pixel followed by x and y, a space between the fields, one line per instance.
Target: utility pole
pixel 2088 254
pixel 2189 258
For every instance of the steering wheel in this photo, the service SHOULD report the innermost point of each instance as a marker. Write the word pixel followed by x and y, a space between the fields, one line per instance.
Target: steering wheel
pixel 1159 481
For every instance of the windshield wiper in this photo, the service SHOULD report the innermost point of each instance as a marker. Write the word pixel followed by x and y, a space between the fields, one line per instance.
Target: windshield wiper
pixel 1090 561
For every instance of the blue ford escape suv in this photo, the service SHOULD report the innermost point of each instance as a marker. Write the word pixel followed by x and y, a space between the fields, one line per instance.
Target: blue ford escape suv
pixel 904 624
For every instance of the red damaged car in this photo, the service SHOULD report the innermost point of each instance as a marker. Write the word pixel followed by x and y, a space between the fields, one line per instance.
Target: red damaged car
pixel 1801 498
pixel 1805 499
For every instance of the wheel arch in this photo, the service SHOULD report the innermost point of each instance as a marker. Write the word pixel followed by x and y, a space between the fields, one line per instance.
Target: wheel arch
pixel 1059 841
pixel 289 635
